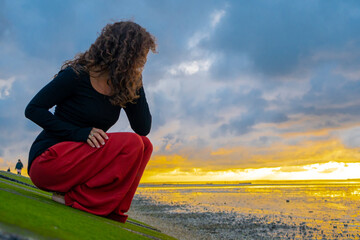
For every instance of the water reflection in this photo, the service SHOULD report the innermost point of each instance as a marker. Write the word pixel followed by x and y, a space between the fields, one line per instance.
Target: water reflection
pixel 318 209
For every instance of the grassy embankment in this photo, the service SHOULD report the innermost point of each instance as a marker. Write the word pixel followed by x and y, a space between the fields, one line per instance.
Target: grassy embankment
pixel 29 212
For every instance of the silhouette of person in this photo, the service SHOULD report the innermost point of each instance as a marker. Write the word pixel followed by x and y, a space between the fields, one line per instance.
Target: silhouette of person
pixel 18 167
pixel 8 170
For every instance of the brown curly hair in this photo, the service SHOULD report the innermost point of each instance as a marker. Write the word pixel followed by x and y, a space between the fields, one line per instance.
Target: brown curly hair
pixel 120 50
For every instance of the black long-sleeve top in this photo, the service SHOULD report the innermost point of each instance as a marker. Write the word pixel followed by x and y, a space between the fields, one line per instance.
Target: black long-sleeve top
pixel 19 165
pixel 79 108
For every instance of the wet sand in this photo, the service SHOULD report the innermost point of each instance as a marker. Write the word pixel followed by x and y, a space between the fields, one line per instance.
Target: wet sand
pixel 311 210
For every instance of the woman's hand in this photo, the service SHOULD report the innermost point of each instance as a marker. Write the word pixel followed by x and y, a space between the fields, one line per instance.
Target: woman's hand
pixel 97 137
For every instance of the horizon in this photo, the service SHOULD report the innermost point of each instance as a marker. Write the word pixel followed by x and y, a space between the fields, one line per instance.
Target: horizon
pixel 250 182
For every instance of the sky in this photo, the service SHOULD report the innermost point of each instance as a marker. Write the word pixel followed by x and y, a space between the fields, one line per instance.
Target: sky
pixel 239 90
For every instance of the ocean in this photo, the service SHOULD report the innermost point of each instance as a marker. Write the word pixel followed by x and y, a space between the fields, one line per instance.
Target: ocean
pixel 252 210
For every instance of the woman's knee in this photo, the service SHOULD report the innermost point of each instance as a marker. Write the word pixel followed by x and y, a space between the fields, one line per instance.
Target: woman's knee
pixel 133 140
pixel 147 144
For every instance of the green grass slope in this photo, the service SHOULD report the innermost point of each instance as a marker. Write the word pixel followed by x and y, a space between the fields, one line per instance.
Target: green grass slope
pixel 17 177
pixel 29 212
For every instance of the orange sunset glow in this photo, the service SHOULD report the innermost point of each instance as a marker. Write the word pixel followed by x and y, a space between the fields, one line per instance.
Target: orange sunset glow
pixel 308 160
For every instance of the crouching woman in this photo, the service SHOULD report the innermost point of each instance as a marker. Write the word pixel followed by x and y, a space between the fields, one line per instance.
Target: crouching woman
pixel 74 157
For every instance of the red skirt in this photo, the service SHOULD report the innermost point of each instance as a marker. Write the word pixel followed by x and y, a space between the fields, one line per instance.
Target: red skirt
pixel 101 180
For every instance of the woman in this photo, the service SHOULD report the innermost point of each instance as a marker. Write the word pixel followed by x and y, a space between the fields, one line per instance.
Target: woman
pixel 73 156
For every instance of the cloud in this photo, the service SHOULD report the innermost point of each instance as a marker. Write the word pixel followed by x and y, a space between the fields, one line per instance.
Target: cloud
pixel 350 136
pixel 275 154
pixel 199 59
pixel 191 67
pixel 291 169
pixel 280 38
pixel 255 111
pixel 216 17
pixel 5 87
pixel 207 31
pixel 329 170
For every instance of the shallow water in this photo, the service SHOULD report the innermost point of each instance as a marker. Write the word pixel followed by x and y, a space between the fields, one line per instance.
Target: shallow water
pixel 268 210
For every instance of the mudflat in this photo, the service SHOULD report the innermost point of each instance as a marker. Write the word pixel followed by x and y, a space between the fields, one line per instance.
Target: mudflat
pixel 266 210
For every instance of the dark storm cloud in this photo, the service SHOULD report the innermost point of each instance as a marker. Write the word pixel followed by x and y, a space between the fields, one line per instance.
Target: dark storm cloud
pixel 331 93
pixel 244 123
pixel 279 36
pixel 58 29
pixel 255 112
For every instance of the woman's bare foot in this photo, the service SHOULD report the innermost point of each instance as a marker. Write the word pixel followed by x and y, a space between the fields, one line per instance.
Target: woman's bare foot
pixel 58 198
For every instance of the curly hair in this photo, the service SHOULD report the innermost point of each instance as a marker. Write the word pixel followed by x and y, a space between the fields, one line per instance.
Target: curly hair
pixel 121 51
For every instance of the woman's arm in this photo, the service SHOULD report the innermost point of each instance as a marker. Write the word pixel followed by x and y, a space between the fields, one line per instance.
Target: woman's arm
pixel 59 89
pixel 139 115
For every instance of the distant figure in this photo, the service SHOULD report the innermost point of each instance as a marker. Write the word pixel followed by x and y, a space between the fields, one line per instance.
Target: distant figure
pixel 8 170
pixel 18 167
